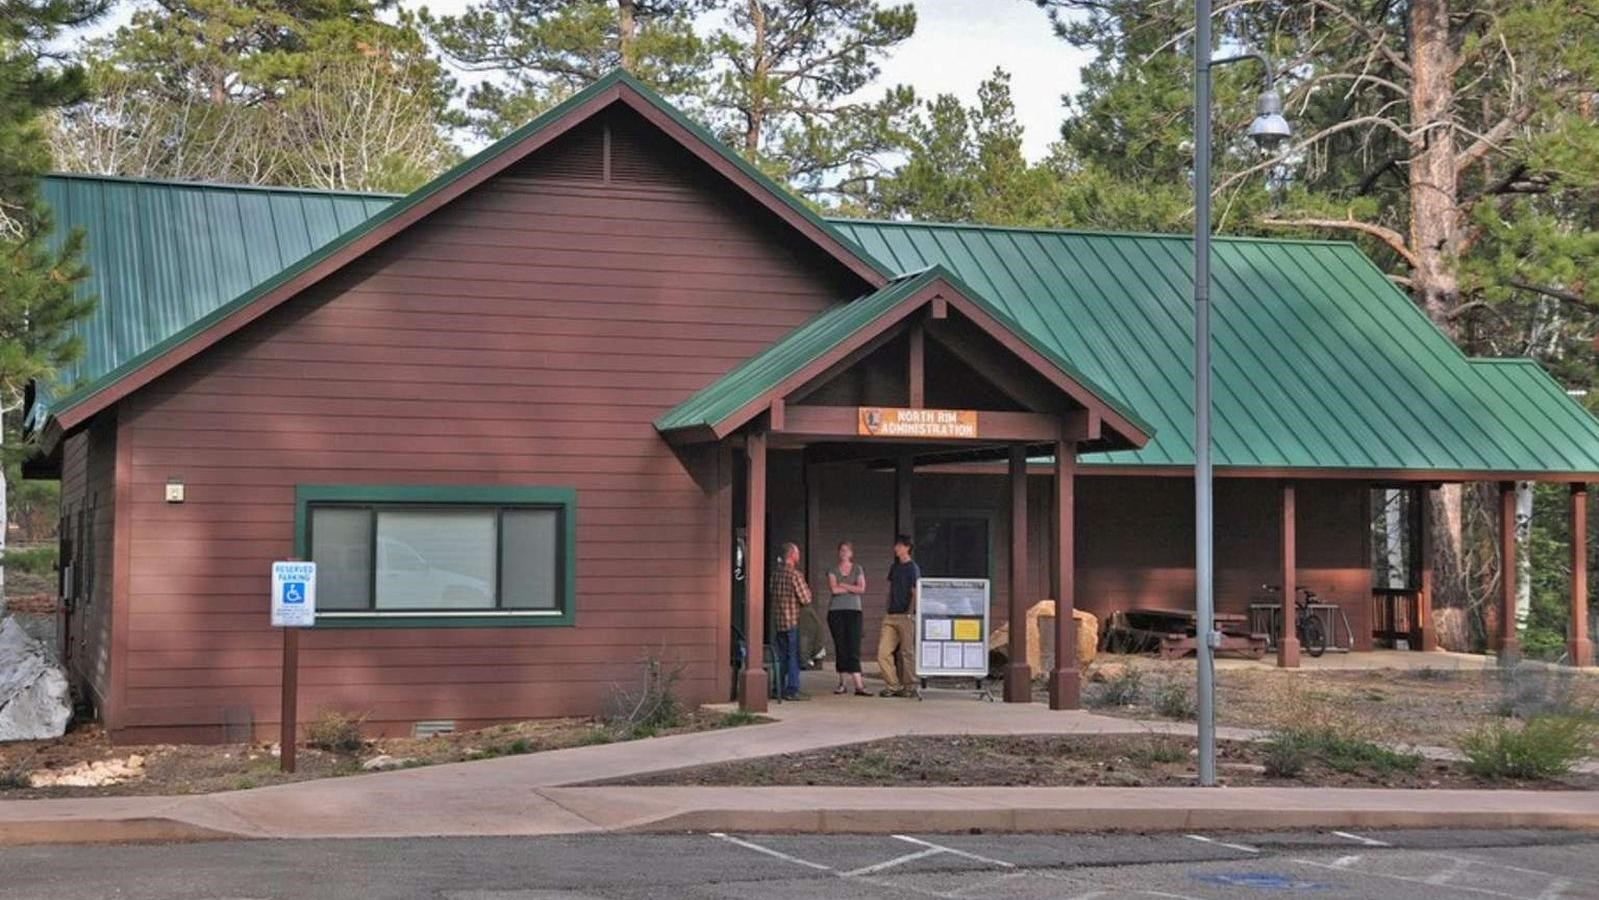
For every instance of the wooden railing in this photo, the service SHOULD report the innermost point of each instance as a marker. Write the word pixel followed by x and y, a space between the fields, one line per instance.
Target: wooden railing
pixel 1396 616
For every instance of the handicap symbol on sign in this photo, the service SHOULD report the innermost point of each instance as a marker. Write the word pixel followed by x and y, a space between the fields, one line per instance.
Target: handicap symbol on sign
pixel 293 592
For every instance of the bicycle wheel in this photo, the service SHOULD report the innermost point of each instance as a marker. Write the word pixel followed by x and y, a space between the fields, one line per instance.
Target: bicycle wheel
pixel 1313 636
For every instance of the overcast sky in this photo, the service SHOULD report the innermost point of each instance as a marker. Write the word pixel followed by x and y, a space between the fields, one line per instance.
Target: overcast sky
pixel 957 44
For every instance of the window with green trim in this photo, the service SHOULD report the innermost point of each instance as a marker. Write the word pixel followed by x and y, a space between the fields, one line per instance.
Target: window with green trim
pixel 408 552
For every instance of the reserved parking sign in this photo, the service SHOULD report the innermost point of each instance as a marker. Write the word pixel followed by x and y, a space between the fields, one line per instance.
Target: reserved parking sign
pixel 293 594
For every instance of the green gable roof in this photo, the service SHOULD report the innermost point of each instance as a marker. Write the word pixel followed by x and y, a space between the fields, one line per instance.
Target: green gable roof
pixel 828 329
pixel 1319 361
pixel 133 354
pixel 163 254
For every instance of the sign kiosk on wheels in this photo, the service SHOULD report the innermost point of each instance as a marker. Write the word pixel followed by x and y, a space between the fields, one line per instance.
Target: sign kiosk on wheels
pixel 952 630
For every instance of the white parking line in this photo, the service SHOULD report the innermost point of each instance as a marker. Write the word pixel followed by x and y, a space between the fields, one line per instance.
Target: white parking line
pixel 776 854
pixel 896 861
pixel 1205 840
pixel 1407 879
pixel 943 849
pixel 1361 839
pixel 1344 862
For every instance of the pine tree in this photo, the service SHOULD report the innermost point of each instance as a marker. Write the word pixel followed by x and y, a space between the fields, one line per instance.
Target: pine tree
pixel 329 93
pixel 1455 141
pixel 547 50
pixel 791 70
pixel 38 272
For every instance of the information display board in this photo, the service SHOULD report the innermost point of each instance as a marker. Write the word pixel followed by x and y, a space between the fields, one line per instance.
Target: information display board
pixel 952 627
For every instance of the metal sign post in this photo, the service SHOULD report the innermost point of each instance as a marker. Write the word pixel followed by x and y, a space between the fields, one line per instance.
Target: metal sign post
pixel 293 608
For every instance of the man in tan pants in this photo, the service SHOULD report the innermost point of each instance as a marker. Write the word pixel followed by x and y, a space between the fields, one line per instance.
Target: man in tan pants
pixel 896 643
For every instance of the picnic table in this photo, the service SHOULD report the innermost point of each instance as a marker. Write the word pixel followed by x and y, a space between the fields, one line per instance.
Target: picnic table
pixel 1174 633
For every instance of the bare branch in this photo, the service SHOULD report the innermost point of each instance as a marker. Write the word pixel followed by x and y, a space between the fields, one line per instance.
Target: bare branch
pixel 1392 238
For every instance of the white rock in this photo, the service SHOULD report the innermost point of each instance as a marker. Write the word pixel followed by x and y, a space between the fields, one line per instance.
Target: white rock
pixel 384 761
pixel 35 702
pixel 97 773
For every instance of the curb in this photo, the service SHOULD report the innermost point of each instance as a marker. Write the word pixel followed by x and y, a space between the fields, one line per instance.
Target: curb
pixel 149 830
pixel 1085 820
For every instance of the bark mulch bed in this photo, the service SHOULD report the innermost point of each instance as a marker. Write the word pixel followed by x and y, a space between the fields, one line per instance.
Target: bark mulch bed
pixel 1146 760
pixel 205 768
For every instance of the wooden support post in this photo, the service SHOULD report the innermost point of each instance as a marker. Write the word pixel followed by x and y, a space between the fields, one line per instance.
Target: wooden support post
pixel 1065 682
pixel 1018 675
pixel 1578 647
pixel 1423 633
pixel 816 559
pixel 1509 643
pixel 904 474
pixel 917 375
pixel 752 689
pixel 1288 636
pixel 289 710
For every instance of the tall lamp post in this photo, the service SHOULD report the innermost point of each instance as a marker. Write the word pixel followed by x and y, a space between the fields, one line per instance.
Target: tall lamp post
pixel 1269 129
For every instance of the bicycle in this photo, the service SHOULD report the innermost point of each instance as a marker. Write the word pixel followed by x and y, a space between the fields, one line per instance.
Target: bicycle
pixel 1308 626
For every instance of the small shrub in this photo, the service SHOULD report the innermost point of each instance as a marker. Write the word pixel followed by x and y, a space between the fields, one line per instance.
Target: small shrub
pixel 1157 752
pixel 336 732
pixel 1286 756
pixel 1432 673
pixel 736 717
pixel 519 746
pixel 1341 751
pixel 1174 699
pixel 244 784
pixel 40 560
pixel 1544 746
pixel 1125 688
pixel 653 706
pixel 15 778
pixel 1530 689
pixel 600 735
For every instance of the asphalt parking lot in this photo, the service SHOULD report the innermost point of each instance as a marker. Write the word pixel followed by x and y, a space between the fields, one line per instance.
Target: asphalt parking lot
pixel 1526 865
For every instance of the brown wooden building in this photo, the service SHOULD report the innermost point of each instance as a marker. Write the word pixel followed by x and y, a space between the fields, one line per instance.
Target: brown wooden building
pixel 521 416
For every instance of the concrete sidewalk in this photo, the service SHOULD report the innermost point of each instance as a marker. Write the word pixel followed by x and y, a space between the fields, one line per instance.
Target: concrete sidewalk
pixel 534 794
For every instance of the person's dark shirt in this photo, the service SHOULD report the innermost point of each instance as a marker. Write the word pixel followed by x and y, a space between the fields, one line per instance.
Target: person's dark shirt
pixel 901 584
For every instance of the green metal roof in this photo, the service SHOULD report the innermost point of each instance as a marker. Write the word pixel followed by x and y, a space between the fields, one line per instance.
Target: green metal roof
pixel 163 254
pixel 128 343
pixel 1320 362
pixel 826 330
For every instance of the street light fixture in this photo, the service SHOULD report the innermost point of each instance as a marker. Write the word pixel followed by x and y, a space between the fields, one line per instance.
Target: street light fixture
pixel 1268 130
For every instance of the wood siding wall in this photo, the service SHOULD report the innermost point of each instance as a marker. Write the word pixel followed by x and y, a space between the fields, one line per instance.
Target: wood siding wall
pixel 527 334
pixel 1135 546
pixel 88 467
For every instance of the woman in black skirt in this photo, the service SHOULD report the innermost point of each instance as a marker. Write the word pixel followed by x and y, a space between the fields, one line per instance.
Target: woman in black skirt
pixel 846 582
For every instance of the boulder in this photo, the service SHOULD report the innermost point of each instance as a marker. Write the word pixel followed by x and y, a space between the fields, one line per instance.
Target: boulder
pixel 1041 618
pixel 35 702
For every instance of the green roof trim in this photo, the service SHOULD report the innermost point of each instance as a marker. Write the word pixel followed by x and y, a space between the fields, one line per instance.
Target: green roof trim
pixel 769 369
pixel 388 209
pixel 1319 361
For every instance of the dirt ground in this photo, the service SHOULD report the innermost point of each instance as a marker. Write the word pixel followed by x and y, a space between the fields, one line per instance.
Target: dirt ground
pixel 1420 707
pixel 204 768
pixel 1053 761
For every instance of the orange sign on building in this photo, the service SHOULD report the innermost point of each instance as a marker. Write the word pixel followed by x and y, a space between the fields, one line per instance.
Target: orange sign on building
pixel 884 421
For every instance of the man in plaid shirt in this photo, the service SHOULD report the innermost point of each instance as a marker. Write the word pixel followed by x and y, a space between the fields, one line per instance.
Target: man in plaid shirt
pixel 786 592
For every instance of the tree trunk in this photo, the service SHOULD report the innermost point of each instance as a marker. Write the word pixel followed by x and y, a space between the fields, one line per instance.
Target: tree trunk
pixel 755 115
pixel 1522 571
pixel 1434 239
pixel 5 521
pixel 1434 199
pixel 627 33
pixel 1395 570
